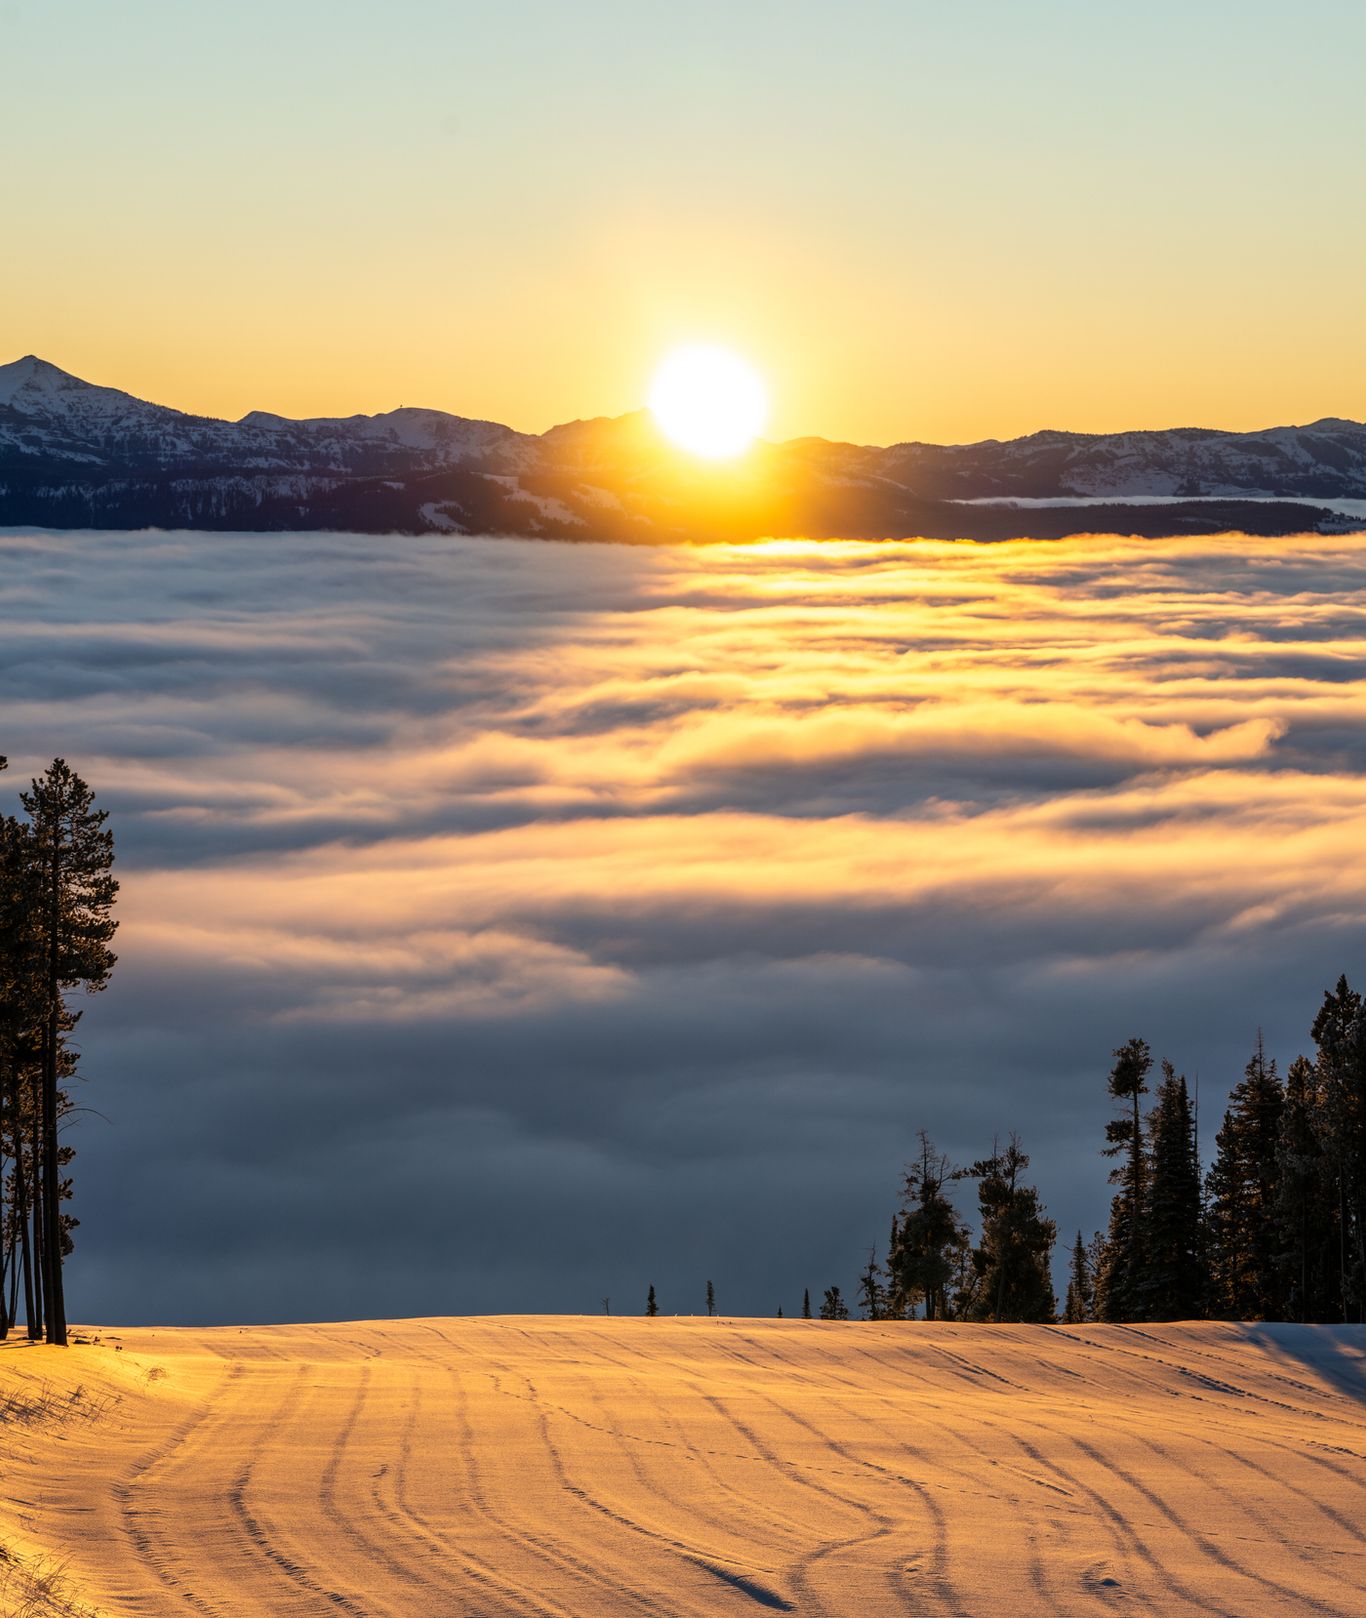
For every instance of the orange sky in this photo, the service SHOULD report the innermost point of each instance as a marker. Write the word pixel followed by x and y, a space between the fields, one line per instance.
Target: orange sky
pixel 915 225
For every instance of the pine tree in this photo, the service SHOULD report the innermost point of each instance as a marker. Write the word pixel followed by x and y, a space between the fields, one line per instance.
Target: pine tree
pixel 894 1305
pixel 1242 1190
pixel 1079 1305
pixel 1306 1202
pixel 711 1299
pixel 872 1293
pixel 780 1311
pixel 651 1306
pixel 72 853
pixel 20 1014
pixel 806 1304
pixel 1118 1280
pixel 833 1306
pixel 1340 1035
pixel 931 1240
pixel 1011 1262
pixel 22 1006
pixel 1174 1282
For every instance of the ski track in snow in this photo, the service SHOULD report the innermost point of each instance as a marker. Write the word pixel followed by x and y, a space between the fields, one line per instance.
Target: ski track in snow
pixel 565 1467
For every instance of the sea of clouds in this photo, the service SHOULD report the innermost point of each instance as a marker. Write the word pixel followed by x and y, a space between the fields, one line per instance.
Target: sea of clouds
pixel 506 926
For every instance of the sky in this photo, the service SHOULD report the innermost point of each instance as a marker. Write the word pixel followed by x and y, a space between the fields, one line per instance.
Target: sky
pixel 918 221
pixel 506 926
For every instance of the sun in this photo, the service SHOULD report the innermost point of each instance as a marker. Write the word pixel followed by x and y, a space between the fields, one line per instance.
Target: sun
pixel 709 401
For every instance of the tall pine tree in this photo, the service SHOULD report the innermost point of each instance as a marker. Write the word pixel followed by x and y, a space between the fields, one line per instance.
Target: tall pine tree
pixel 1173 1282
pixel 1306 1202
pixel 1011 1262
pixel 20 1017
pixel 1080 1302
pixel 872 1294
pixel 1121 1270
pixel 930 1240
pixel 1242 1193
pixel 72 852
pixel 1340 1035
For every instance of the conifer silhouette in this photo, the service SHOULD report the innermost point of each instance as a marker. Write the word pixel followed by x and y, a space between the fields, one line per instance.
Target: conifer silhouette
pixel 1173 1281
pixel 1117 1282
pixel 931 1241
pixel 1243 1193
pixel 1011 1279
pixel 872 1292
pixel 1305 1202
pixel 1079 1304
pixel 1340 1037
pixel 833 1306
pixel 56 923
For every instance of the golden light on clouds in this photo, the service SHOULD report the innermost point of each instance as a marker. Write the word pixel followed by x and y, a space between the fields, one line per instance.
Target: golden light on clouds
pixel 709 401
pixel 854 836
pixel 1052 732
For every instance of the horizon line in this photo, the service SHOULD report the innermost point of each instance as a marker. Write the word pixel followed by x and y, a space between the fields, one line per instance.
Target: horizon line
pixel 644 411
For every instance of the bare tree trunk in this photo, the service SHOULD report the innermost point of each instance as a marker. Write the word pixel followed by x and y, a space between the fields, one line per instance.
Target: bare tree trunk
pixel 14 1278
pixel 1342 1246
pixel 1010 1230
pixel 1361 1261
pixel 39 1242
pixel 35 1329
pixel 55 1310
pixel 6 1252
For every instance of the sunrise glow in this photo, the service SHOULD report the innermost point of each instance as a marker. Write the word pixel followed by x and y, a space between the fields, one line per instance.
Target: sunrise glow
pixel 698 679
pixel 709 401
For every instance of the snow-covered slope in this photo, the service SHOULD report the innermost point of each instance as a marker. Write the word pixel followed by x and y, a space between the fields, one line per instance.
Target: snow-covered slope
pixel 76 455
pixel 48 415
pixel 589 1467
pixel 1324 460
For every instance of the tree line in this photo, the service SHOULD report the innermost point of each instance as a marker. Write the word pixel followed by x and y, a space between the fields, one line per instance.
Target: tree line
pixel 1275 1230
pixel 56 923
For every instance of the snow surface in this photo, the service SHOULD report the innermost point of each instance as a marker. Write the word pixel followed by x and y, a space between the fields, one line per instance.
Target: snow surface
pixel 569 1467
pixel 35 387
pixel 62 417
pixel 1011 502
pixel 436 515
pixel 29 378
pixel 546 504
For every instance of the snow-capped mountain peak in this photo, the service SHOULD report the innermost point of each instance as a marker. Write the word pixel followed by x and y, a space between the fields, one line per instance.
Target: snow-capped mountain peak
pixel 36 386
pixel 75 453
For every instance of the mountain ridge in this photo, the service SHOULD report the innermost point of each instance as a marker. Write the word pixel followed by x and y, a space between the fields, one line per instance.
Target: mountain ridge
pixel 77 454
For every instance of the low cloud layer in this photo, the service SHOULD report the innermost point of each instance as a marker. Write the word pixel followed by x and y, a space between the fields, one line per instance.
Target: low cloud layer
pixel 507 926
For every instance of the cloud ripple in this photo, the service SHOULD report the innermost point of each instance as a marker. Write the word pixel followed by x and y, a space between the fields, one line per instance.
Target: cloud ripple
pixel 508 925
